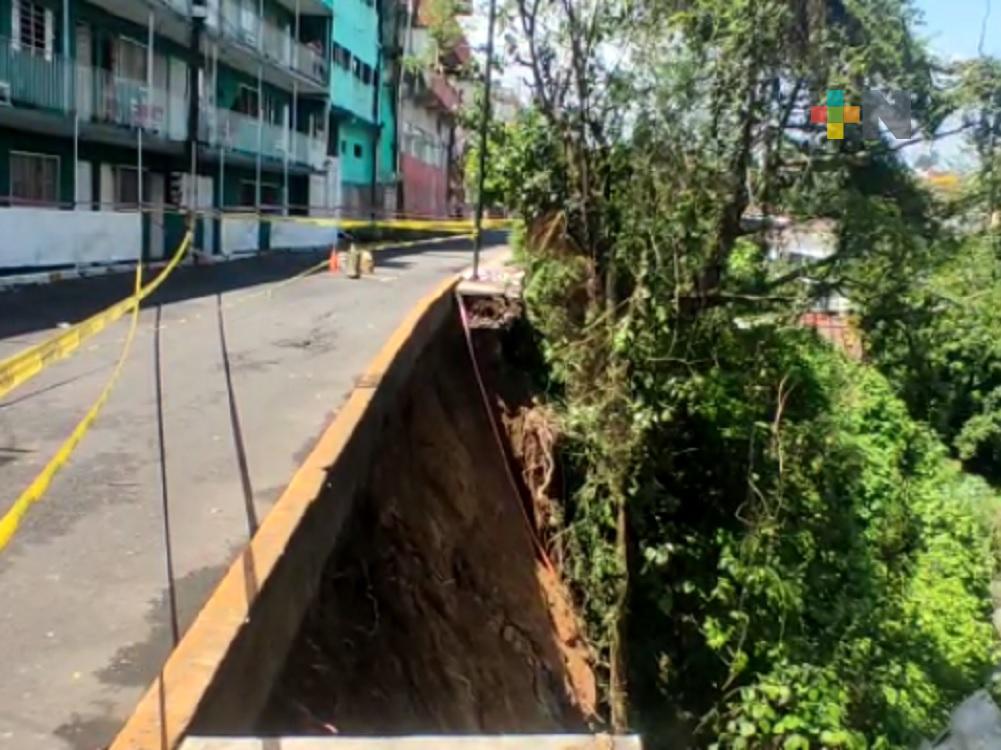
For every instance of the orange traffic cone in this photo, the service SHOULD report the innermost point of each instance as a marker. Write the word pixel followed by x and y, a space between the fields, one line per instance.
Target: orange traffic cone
pixel 335 262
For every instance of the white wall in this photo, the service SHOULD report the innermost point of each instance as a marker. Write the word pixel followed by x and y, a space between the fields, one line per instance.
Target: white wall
pixel 287 235
pixel 325 189
pixel 239 235
pixel 46 237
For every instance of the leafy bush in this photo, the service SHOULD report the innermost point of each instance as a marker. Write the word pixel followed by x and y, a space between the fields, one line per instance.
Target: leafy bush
pixel 807 566
pixel 938 342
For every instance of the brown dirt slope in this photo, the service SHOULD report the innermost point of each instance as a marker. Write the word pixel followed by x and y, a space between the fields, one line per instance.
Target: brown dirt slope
pixel 435 615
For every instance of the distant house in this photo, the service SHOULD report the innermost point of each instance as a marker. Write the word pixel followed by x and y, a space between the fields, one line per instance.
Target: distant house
pixel 807 242
pixel 803 243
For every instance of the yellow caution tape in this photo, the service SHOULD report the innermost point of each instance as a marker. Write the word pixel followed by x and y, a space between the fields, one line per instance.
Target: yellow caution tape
pixel 324 263
pixel 23 366
pixel 417 225
pixel 12 518
pixel 408 224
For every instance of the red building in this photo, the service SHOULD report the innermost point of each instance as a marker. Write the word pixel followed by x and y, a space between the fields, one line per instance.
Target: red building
pixel 430 144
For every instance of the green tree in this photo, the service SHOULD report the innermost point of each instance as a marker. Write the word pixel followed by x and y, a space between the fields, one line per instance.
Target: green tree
pixel 767 550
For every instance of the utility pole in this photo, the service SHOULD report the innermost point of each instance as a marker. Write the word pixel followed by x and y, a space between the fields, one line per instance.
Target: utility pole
pixel 484 131
pixel 199 11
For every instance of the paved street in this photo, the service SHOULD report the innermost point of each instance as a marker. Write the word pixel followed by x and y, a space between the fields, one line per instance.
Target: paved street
pixel 113 564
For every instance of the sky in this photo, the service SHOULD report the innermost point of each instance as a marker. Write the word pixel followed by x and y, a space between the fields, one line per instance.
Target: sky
pixel 953 29
pixel 953 26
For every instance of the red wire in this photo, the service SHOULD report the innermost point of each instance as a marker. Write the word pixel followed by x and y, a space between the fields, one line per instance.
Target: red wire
pixel 529 526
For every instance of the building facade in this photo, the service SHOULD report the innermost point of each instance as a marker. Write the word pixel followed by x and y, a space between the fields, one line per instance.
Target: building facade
pixel 429 139
pixel 118 117
pixel 109 105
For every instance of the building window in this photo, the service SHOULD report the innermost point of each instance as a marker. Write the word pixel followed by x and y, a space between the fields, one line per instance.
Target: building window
pixel 270 195
pixel 127 187
pixel 33 26
pixel 130 59
pixel 366 73
pixel 34 178
pixel 342 57
pixel 358 151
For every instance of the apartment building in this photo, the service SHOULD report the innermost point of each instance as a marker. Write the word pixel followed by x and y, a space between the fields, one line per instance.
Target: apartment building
pixel 354 95
pixel 119 116
pixel 430 143
pixel 107 105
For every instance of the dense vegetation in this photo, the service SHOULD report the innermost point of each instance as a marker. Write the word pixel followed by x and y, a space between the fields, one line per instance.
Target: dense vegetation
pixel 772 545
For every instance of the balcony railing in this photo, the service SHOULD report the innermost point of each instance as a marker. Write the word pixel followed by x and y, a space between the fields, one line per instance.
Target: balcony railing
pixel 309 150
pixel 443 91
pixel 179 6
pixel 105 97
pixel 235 131
pixel 242 25
pixel 29 78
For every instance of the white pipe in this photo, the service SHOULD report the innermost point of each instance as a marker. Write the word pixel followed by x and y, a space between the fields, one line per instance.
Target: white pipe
pixel 67 68
pixel 296 39
pixel 288 147
pixel 76 158
pixel 260 136
pixel 139 166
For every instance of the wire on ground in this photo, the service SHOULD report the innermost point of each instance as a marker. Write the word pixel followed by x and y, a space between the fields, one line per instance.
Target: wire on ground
pixel 11 520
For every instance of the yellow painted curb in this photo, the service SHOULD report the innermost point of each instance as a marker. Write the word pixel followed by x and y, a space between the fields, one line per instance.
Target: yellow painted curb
pixel 243 632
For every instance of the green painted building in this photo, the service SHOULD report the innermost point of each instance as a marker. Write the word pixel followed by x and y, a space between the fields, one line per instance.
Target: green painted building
pixel 354 85
pixel 217 104
pixel 120 117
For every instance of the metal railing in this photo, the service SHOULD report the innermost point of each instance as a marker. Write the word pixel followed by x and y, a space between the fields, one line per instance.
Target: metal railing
pixel 30 77
pixel 236 131
pixel 179 6
pixel 242 25
pixel 309 150
pixel 105 97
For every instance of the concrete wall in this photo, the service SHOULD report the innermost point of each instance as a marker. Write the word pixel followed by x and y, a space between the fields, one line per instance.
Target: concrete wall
pixel 40 237
pixel 240 235
pixel 355 169
pixel 425 188
pixel 504 742
pixel 291 236
pixel 356 26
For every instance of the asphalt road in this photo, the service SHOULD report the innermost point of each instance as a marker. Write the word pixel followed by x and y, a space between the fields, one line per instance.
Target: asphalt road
pixel 112 565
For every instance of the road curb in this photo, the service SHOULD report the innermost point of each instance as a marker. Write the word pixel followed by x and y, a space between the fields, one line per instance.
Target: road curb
pixel 243 633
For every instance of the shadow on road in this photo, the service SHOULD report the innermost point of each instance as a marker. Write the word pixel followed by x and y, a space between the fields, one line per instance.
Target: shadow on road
pixel 33 308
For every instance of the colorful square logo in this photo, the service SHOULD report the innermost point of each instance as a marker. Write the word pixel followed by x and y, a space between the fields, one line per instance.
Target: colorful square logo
pixel 835 114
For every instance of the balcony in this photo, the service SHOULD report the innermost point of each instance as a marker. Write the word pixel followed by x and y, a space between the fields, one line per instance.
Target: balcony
pixel 235 131
pixel 276 44
pixel 433 90
pixel 31 80
pixel 443 92
pixel 103 97
pixel 183 7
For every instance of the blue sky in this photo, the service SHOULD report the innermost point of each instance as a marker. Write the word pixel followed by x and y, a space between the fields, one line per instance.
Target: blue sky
pixel 953 26
pixel 953 29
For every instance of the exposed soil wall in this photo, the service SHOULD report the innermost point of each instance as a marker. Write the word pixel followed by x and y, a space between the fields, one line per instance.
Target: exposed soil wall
pixel 435 614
